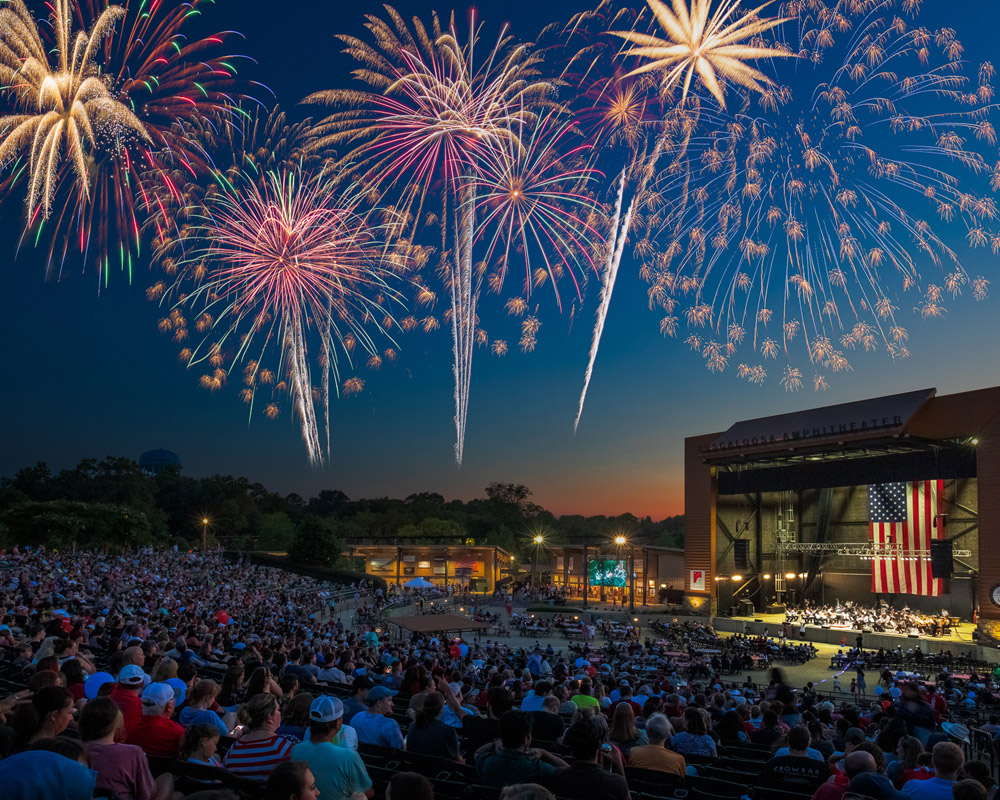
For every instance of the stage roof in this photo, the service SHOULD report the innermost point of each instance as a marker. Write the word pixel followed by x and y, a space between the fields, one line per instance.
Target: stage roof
pixel 429 623
pixel 840 445
pixel 879 419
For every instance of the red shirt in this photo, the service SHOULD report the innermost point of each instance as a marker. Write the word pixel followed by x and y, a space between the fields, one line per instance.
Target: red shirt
pixel 831 791
pixel 130 704
pixel 157 736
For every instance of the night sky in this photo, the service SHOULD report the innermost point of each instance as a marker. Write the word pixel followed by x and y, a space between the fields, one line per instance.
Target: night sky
pixel 87 374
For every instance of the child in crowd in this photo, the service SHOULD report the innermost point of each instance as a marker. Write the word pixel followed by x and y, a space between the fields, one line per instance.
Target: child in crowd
pixel 200 745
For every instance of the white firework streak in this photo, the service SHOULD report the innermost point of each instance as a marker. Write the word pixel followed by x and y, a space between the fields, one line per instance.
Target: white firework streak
pixel 302 393
pixel 619 237
pixel 464 301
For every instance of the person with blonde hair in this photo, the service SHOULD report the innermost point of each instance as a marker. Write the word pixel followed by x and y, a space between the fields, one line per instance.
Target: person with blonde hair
pixel 259 749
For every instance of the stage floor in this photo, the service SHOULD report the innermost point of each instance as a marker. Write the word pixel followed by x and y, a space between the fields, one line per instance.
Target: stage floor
pixel 959 640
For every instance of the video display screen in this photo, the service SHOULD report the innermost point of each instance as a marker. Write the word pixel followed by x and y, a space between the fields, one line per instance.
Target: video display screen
pixel 608 573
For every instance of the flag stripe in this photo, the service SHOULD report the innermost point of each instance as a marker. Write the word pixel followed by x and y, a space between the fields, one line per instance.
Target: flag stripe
pixel 906 516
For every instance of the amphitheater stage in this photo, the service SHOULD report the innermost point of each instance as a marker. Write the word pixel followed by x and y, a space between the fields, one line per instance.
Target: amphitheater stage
pixel 959 641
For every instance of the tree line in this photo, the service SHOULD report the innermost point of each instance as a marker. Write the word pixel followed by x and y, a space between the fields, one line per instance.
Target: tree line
pixel 111 503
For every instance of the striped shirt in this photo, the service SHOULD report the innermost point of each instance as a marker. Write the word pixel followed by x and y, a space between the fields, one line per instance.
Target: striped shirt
pixel 257 759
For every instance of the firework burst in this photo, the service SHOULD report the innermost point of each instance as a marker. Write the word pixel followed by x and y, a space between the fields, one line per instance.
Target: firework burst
pixel 108 101
pixel 435 126
pixel 283 263
pixel 709 46
pixel 786 220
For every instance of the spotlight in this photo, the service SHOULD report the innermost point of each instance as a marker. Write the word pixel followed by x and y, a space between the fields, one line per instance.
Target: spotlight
pixel 737 577
pixel 767 577
pixel 789 575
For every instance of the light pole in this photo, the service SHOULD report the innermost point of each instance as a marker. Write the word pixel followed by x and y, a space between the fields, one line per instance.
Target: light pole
pixel 539 541
pixel 204 534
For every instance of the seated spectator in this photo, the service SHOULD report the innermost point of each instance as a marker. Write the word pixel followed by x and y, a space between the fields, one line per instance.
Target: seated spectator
pixel 201 744
pixel 548 725
pixel 586 778
pixel 533 700
pixel 47 715
pixel 198 709
pixel 855 764
pixel 409 786
pixel 768 732
pixel 338 772
pixel 121 768
pixel 358 701
pixel 947 759
pixel 131 679
pixel 905 767
pixel 979 771
pixel 655 754
pixel 514 761
pixel 295 715
pixel 694 739
pixel 259 749
pixel 795 771
pixel 730 729
pixel 428 735
pixel 481 730
pixel 292 780
pixel 38 774
pixel 156 733
pixel 968 789
pixel 583 698
pixel 623 733
pixel 262 681
pixel 375 724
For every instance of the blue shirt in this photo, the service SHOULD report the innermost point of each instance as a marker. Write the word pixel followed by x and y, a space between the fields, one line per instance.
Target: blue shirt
pixel 377 729
pixel 339 772
pixel 202 716
pixel 532 702
pixel 931 789
pixel 38 773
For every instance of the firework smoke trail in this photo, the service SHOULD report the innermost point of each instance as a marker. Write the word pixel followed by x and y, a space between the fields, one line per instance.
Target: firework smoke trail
pixel 608 278
pixel 705 43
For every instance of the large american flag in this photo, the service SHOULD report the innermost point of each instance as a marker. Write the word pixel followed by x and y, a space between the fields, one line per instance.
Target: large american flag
pixel 905 514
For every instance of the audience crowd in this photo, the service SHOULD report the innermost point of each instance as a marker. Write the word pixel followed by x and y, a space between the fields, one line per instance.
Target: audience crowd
pixel 166 675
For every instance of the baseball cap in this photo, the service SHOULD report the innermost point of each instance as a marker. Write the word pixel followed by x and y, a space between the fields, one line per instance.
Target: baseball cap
pixel 132 675
pixel 94 683
pixel 156 696
pixel 326 709
pixel 180 689
pixel 378 693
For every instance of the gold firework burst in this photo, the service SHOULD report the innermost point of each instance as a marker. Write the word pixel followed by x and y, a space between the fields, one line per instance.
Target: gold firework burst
pixel 66 106
pixel 705 44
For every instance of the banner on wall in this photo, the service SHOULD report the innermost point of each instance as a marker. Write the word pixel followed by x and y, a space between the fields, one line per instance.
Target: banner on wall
pixel 697 580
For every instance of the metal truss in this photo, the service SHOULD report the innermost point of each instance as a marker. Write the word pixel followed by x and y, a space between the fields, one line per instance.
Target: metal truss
pixel 859 550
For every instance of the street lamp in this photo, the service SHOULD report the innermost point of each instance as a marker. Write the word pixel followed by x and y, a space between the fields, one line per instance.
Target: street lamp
pixel 204 534
pixel 539 541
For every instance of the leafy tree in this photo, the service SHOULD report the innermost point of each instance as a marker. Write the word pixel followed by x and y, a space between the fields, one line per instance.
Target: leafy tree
pixel 317 542
pixel 276 531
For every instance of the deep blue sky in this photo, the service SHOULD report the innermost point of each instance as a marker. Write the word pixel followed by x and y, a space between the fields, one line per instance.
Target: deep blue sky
pixel 88 375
